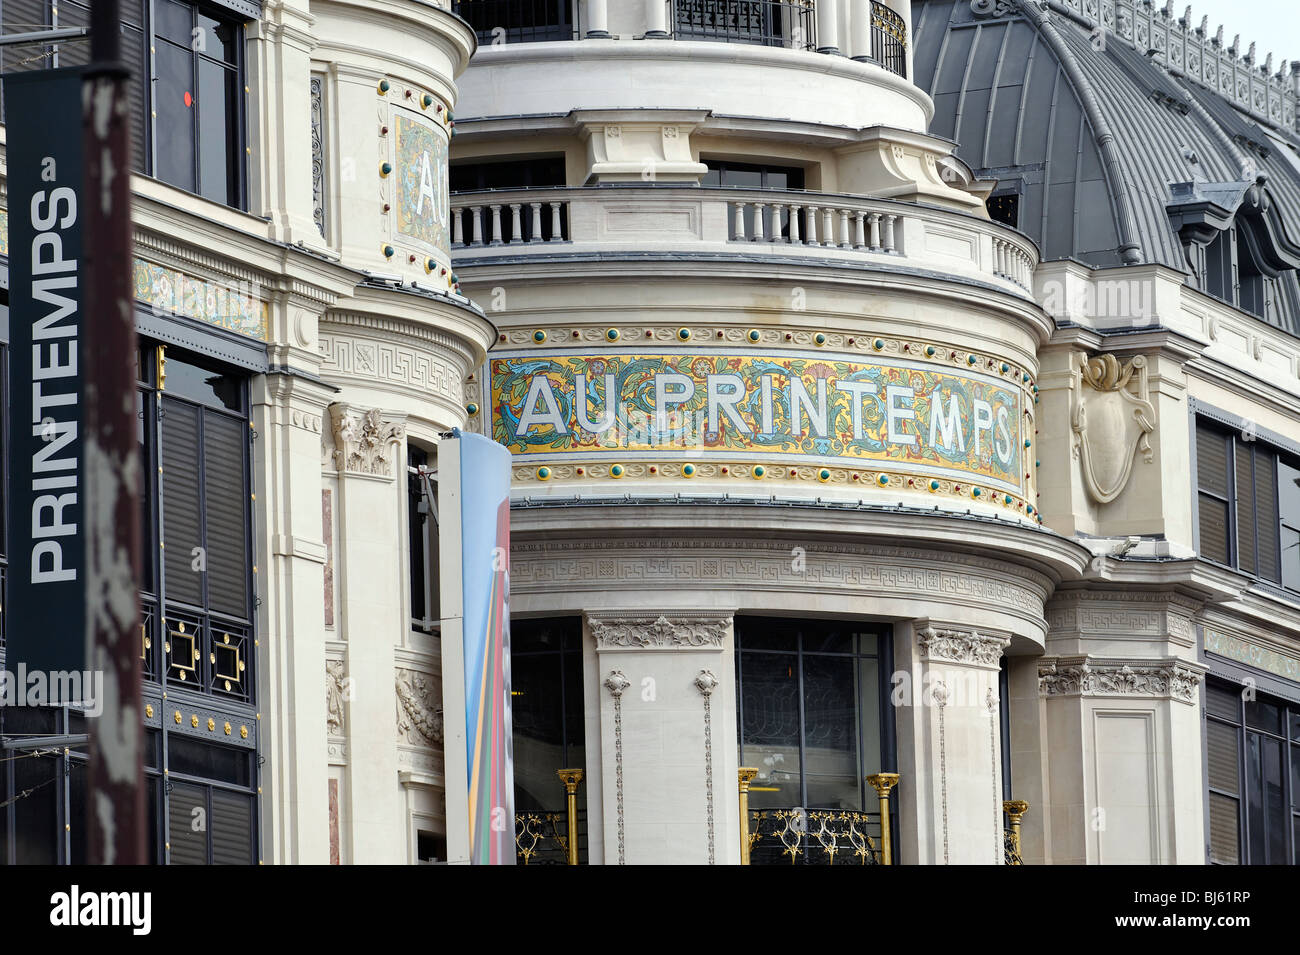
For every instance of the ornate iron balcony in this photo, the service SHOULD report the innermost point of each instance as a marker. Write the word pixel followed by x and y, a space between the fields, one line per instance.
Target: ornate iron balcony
pixel 519 21
pixel 888 39
pixel 784 23
pixel 812 837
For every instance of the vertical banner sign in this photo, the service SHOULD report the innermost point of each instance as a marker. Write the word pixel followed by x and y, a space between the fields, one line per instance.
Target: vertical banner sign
pixel 46 611
pixel 485 586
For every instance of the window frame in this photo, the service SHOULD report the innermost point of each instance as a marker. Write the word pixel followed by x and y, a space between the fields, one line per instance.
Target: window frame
pixel 1273 449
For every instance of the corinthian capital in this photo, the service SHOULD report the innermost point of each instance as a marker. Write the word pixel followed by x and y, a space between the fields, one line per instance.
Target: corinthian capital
pixel 363 440
pixel 956 645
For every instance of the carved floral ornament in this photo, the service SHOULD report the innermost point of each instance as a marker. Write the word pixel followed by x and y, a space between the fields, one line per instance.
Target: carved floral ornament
pixel 1112 420
pixel 960 646
pixel 660 632
pixel 1085 676
pixel 335 721
pixel 363 440
pixel 419 712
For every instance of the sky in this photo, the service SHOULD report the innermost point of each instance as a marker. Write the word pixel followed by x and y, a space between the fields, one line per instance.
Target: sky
pixel 1273 25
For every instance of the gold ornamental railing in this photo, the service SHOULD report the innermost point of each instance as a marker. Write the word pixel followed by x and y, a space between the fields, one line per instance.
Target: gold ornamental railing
pixel 553 838
pixel 815 836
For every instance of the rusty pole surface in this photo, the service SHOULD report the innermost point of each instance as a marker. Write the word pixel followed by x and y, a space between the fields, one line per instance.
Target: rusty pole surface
pixel 115 805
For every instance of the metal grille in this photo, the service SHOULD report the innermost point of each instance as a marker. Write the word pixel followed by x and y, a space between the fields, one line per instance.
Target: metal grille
pixel 888 39
pixel 519 21
pixel 813 837
pixel 764 22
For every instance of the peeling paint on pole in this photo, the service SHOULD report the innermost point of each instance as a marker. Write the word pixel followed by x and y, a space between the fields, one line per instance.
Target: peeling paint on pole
pixel 115 808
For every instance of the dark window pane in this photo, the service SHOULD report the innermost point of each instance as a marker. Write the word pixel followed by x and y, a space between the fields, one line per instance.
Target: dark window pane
pixel 1224 757
pixel 187 828
pixel 1224 830
pixel 182 530
pixel 173 97
pixel 1266 810
pixel 537 720
pixel 575 734
pixel 77 840
pixel 174 21
pixel 207 386
pixel 216 38
pixel 769 727
pixel 1295 735
pixel 1264 716
pixel 232 828
pixel 227 764
pixel 218 112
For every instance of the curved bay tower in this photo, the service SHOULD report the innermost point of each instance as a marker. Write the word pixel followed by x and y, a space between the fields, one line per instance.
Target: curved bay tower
pixel 830 461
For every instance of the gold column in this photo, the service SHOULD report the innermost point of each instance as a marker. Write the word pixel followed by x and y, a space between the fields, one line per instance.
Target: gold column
pixel 1015 808
pixel 883 783
pixel 571 778
pixel 744 775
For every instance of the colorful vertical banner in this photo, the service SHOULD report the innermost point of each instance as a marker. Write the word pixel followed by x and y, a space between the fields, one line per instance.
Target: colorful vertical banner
pixel 46 612
pixel 485 586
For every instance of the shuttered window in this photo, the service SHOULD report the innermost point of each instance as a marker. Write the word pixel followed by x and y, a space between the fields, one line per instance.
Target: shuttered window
pixel 205 508
pixel 187 824
pixel 1253 803
pixel 1212 453
pixel 232 828
pixel 1247 519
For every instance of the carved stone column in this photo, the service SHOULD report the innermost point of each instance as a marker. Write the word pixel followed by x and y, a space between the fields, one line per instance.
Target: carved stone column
pixel 668 729
pixel 1119 695
pixel 368 451
pixel 949 744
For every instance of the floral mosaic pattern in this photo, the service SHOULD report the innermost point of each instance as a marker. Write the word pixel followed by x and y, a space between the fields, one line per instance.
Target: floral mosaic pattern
pixel 764 411
pixel 236 307
pixel 420 161
pixel 1250 654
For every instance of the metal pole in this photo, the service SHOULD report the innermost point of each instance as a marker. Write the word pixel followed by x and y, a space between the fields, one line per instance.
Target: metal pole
pixel 743 776
pixel 882 783
pixel 571 778
pixel 1015 808
pixel 115 806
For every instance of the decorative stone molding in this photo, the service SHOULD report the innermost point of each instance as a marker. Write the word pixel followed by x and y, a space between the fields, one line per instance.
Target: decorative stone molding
pixel 950 645
pixel 706 682
pixel 1126 615
pixel 305 420
pixel 617 682
pixel 318 152
pixel 1167 678
pixel 335 720
pixel 397 365
pixel 1112 419
pixel 655 148
pixel 945 578
pixel 363 439
pixel 419 712
pixel 689 630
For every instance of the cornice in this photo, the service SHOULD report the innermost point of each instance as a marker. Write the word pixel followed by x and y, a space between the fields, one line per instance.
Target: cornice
pixel 1088 676
pixel 665 630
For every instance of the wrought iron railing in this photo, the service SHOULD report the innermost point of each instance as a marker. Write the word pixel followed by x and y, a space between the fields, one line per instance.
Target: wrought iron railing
pixel 554 838
pixel 812 837
pixel 888 39
pixel 785 23
pixel 519 21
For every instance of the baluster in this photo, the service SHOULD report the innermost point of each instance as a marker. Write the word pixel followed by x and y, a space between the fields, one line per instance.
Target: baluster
pixel 890 244
pixel 557 234
pixel 859 229
pixel 477 212
pixel 828 228
pixel 875 231
pixel 516 226
pixel 738 221
pixel 794 224
pixel 810 214
pixel 537 221
pixel 997 257
pixel 496 224
pixel 760 214
pixel 844 229
pixel 457 227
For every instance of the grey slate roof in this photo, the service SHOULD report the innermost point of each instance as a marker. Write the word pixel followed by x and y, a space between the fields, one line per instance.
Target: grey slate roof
pixel 1015 99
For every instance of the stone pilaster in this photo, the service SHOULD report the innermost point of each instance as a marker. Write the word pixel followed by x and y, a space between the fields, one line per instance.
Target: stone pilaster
pixel 667 735
pixel 369 455
pixel 949 748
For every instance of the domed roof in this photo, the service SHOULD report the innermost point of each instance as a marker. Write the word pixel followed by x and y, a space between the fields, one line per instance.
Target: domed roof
pixel 1101 140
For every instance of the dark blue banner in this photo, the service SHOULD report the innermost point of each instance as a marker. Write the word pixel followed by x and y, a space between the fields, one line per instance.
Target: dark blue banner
pixel 45 615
